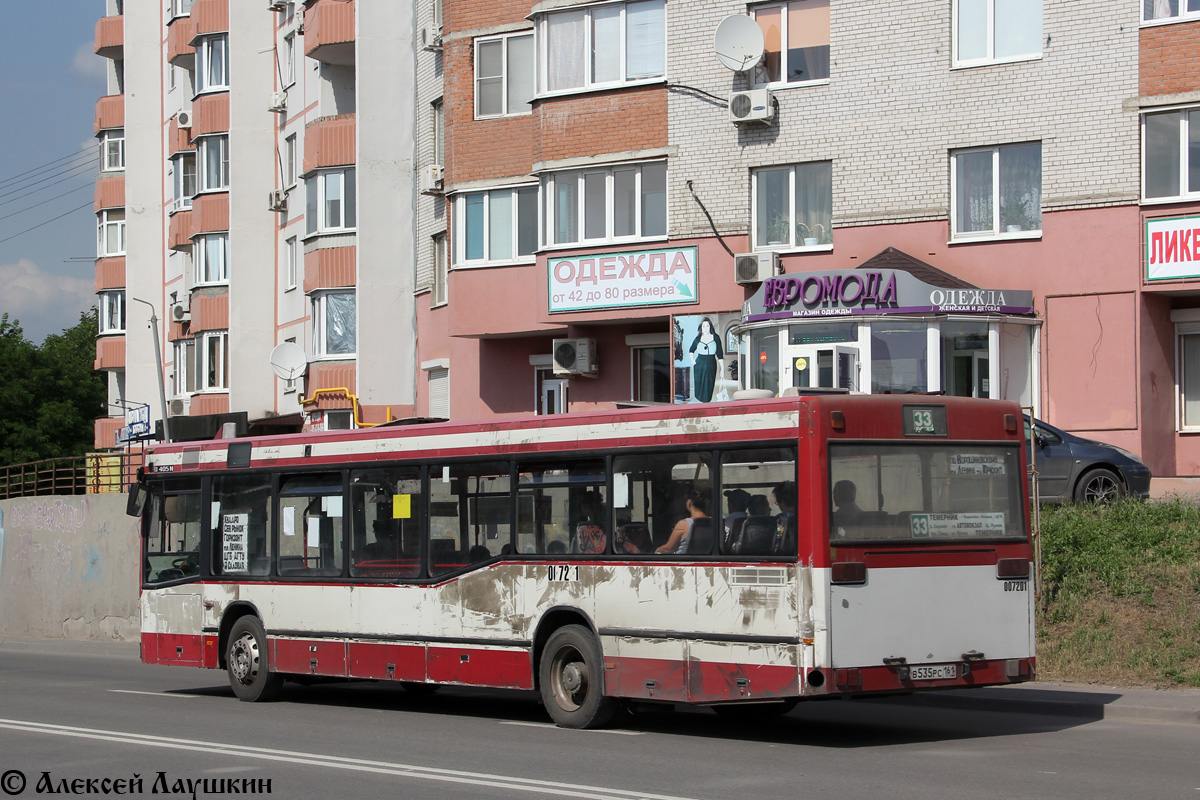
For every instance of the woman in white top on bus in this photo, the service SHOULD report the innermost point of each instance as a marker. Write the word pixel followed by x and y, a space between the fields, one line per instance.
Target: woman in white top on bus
pixel 697 506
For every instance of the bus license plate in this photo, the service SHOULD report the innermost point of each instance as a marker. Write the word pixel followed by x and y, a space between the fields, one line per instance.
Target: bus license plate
pixel 941 672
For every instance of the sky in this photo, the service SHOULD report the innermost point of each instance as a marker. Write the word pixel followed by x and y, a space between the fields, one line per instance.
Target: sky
pixel 50 80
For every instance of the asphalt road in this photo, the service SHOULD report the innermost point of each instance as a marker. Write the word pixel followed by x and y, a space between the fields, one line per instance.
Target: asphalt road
pixel 79 711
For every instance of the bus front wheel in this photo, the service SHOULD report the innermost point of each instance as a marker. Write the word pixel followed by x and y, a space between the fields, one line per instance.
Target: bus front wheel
pixel 571 678
pixel 248 664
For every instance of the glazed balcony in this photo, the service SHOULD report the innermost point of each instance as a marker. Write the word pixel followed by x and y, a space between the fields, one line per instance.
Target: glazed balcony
pixel 330 375
pixel 178 139
pixel 212 212
pixel 209 17
pixel 182 229
pixel 110 273
pixel 210 309
pixel 110 192
pixel 110 352
pixel 180 52
pixel 106 432
pixel 329 31
pixel 110 37
pixel 110 112
pixel 330 268
pixel 210 114
pixel 329 142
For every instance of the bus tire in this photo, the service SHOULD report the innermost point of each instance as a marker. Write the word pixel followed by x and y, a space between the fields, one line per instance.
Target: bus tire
pixel 571 679
pixel 248 663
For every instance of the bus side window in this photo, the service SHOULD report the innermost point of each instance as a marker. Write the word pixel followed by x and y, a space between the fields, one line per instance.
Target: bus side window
pixel 562 507
pixel 241 525
pixel 655 489
pixel 752 521
pixel 386 540
pixel 469 514
pixel 173 546
pixel 312 526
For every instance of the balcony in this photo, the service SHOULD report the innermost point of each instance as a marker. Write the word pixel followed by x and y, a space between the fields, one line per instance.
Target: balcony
pixel 209 17
pixel 205 404
pixel 180 51
pixel 110 37
pixel 210 114
pixel 329 31
pixel 110 112
pixel 330 267
pixel 182 229
pixel 110 273
pixel 178 139
pixel 329 142
pixel 110 352
pixel 212 212
pixel 106 432
pixel 210 309
pixel 331 375
pixel 110 192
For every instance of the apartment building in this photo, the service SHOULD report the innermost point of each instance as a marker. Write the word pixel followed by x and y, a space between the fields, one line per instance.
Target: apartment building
pixel 567 205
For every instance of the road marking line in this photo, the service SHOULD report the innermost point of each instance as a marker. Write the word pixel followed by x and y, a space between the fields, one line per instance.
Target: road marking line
pixel 492 780
pixel 156 694
pixel 555 727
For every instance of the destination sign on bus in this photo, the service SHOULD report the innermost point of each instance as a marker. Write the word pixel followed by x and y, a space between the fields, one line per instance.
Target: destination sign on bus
pixel 924 420
pixel 925 526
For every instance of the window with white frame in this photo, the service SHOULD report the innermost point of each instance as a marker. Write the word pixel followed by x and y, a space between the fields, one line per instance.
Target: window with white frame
pixel 607 204
pixel 214 162
pixel 497 226
pixel 796 38
pixel 440 269
pixel 793 206
pixel 210 258
pixel 996 30
pixel 1169 10
pixel 1171 154
pixel 181 8
pixel 331 201
pixel 504 75
pixel 110 232
pixel 212 63
pixel 289 59
pixel 997 191
pixel 603 45
pixel 1187 345
pixel 439 132
pixel 439 392
pixel 335 323
pixel 112 150
pixel 185 367
pixel 112 312
pixel 183 177
pixel 290 155
pixel 212 366
pixel 291 261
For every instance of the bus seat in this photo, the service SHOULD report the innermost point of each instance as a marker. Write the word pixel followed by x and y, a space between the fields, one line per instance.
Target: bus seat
pixel 443 552
pixel 700 542
pixel 637 535
pixel 735 530
pixel 756 536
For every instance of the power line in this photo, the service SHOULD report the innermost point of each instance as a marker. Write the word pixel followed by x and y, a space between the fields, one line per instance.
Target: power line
pixel 47 222
pixel 42 203
pixel 87 168
pixel 45 166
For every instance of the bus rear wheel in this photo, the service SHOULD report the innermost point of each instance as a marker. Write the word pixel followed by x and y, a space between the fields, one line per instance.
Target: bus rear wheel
pixel 248 664
pixel 571 679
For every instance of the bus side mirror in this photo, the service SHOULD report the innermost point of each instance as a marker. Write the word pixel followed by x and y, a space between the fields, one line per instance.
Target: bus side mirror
pixel 136 500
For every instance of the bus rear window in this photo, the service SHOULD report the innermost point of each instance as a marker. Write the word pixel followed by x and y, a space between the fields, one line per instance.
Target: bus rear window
pixel 923 493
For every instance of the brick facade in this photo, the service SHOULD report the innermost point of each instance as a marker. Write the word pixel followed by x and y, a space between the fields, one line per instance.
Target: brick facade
pixel 1169 60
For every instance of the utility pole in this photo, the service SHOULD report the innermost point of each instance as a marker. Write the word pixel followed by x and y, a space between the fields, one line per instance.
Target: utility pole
pixel 162 391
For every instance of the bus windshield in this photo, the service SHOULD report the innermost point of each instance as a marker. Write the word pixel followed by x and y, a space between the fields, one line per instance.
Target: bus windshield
pixel 925 492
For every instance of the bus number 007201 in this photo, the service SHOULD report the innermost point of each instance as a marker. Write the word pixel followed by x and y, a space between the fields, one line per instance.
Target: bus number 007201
pixel 563 572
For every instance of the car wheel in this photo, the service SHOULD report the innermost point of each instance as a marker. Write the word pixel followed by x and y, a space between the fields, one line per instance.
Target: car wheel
pixel 1098 487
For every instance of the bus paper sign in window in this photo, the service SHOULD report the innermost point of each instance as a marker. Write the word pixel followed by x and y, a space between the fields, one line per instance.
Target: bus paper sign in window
pixel 233 538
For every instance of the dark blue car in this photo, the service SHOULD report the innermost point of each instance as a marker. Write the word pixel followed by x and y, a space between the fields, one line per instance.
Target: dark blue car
pixel 1071 468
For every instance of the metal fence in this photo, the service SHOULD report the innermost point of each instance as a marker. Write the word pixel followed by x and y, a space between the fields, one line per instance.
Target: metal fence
pixel 94 473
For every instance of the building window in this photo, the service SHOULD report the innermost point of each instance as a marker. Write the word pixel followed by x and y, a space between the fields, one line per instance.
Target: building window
pixel 213 366
pixel 899 357
pixel 214 162
pixel 439 132
pixel 1171 154
pixel 112 312
pixel 212 63
pixel 181 8
pixel 796 35
pixel 793 206
pixel 997 30
pixel 997 191
pixel 183 177
pixel 290 154
pixel 496 226
pixel 1169 10
pixel 331 201
pixel 651 374
pixel 210 257
pixel 334 324
pixel 503 75
pixel 289 59
pixel 110 233
pixel 440 269
pixel 112 150
pixel 291 261
pixel 439 392
pixel 607 204
pixel 1189 375
pixel 603 46
pixel 185 367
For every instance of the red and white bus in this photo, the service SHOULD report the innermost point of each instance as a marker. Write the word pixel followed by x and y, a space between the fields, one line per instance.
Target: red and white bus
pixel 744 555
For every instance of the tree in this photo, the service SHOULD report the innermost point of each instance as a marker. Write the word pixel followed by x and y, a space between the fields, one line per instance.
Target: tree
pixel 51 395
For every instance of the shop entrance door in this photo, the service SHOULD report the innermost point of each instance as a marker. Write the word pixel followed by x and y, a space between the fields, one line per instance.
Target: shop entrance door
pixel 970 377
pixel 818 367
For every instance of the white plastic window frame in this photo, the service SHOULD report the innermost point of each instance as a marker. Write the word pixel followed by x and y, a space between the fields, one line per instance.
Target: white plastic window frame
pixel 783 82
pixel 180 8
pixel 289 59
pixel 291 263
pixel 441 271
pixel 181 199
pixel 206 273
pixel 590 85
pixel 792 244
pixel 205 344
pixel 1183 12
pixel 317 184
pixel 957 236
pixel 550 187
pixel 506 41
pixel 461 232
pixel 112 148
pixel 110 219
pixel 1183 329
pixel 290 154
pixel 320 311
pixel 990 32
pixel 184 380
pixel 205 147
pixel 112 308
pixel 204 60
pixel 1184 132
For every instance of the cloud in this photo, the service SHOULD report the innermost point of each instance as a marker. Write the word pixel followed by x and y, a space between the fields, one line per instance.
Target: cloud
pixel 44 303
pixel 88 66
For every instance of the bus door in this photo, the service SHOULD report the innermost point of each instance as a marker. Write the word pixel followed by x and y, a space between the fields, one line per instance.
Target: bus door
pixel 818 366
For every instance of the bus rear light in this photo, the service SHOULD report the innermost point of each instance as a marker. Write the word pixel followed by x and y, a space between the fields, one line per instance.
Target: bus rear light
pixel 1016 668
pixel 849 572
pixel 847 679
pixel 1010 423
pixel 1012 569
pixel 837 421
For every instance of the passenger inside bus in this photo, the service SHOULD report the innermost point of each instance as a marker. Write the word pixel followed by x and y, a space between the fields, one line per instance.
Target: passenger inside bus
pixel 846 511
pixel 695 523
pixel 784 495
pixel 738 501
pixel 589 532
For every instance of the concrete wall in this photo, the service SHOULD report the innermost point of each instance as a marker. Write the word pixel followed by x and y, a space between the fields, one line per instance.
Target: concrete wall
pixel 68 568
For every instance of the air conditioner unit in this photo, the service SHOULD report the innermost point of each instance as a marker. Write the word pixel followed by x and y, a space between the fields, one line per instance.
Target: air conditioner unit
pixel 755 105
pixel 277 200
pixel 278 102
pixel 184 120
pixel 575 357
pixel 181 406
pixel 181 311
pixel 431 37
pixel 276 5
pixel 755 267
pixel 431 179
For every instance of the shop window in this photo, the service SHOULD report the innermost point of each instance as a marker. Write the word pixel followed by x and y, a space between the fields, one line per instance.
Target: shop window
pixel 607 204
pixel 987 31
pixel 504 83
pixel 966 358
pixel 763 356
pixel 793 206
pixel 497 226
pixel 335 324
pixel 997 192
pixel 651 374
pixel 1189 376
pixel 1171 154
pixel 1170 10
pixel 899 357
pixel 796 35
pixel 604 46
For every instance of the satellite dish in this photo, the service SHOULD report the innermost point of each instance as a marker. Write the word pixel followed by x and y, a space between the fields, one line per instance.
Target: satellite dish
pixel 288 361
pixel 739 42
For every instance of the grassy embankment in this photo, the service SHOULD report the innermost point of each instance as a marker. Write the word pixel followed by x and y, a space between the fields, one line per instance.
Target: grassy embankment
pixel 1120 597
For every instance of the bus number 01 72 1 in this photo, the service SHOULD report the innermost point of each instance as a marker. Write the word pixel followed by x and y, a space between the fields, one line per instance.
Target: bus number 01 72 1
pixel 563 572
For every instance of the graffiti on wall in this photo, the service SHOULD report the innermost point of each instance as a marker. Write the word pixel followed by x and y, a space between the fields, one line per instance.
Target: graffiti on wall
pixel 64 516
